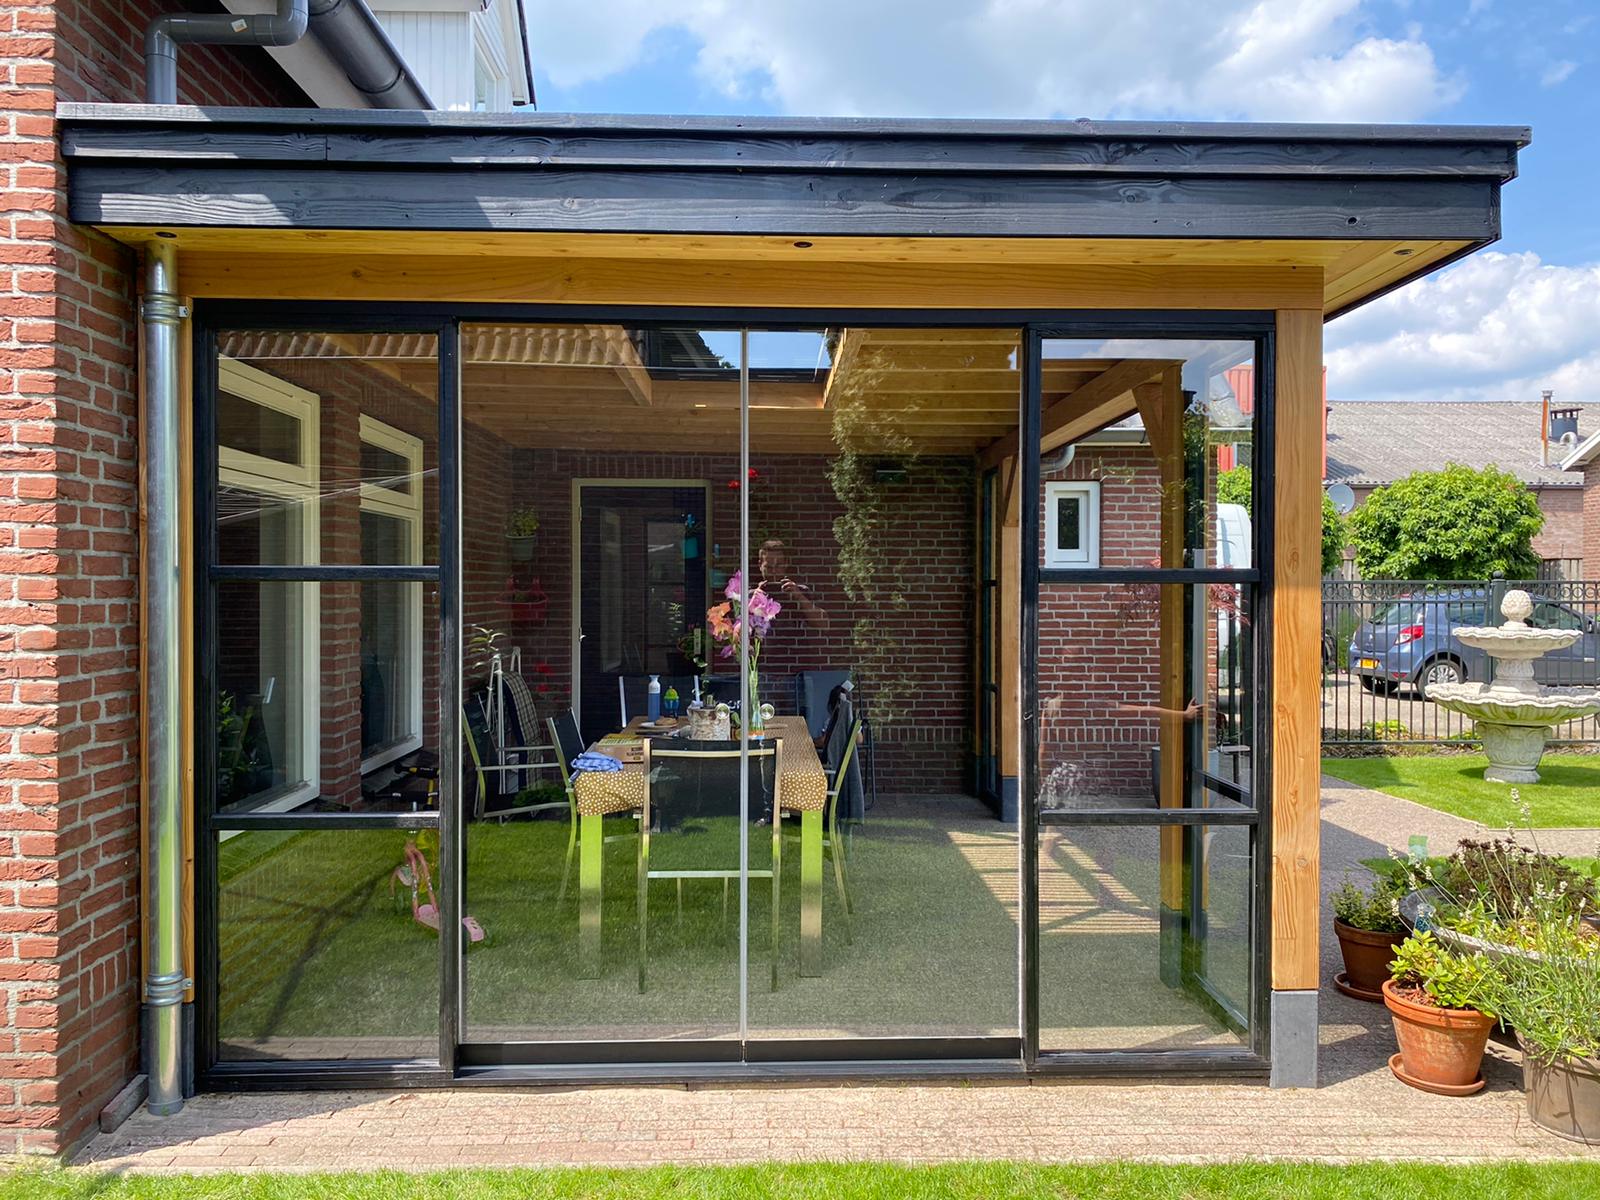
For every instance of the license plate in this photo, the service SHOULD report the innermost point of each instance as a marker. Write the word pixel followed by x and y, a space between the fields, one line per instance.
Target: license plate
pixel 1369 664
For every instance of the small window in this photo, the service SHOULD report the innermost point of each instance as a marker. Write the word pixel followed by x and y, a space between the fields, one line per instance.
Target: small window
pixel 1072 524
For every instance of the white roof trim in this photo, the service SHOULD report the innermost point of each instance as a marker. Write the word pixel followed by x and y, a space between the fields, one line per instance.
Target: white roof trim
pixel 1582 453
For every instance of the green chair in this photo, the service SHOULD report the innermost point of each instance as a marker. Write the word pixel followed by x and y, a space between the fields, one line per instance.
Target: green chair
pixel 681 811
pixel 833 842
pixel 480 748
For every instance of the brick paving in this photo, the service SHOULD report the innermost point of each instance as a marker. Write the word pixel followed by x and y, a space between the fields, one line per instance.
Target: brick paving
pixel 1359 1113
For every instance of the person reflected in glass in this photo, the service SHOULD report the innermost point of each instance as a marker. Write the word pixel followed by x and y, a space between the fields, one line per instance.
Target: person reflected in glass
pixel 772 561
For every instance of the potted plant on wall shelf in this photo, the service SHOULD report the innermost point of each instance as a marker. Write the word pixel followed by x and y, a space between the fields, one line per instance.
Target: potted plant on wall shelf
pixel 1368 925
pixel 522 526
pixel 525 600
pixel 1443 1005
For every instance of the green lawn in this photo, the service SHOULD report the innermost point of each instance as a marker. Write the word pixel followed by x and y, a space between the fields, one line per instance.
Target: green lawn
pixel 966 1181
pixel 1567 794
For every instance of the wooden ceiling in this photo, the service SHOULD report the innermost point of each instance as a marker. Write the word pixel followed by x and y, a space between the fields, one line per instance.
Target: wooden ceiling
pixel 891 391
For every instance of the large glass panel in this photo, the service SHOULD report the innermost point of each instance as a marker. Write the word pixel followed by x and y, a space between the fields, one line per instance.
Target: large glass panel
pixel 1144 937
pixel 1146 696
pixel 327 697
pixel 318 433
pixel 898 907
pixel 328 945
pixel 600 514
pixel 1147 453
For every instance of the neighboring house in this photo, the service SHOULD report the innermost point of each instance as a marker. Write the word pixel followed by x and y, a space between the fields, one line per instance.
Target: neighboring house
pixel 1585 457
pixel 1373 443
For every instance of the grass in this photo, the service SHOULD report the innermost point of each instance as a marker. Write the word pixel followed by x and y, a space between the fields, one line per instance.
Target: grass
pixel 313 946
pixel 867 1181
pixel 1435 864
pixel 1567 794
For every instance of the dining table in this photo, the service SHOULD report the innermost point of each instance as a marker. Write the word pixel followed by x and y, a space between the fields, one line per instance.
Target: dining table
pixel 599 794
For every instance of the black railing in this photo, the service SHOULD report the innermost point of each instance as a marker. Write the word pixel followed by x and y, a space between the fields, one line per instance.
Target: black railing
pixel 1384 641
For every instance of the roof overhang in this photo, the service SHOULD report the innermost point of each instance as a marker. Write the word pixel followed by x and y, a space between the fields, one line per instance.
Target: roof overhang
pixel 1160 193
pixel 1583 453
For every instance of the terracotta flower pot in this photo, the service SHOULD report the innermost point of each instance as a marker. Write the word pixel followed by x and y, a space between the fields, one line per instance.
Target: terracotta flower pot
pixel 1563 1097
pixel 1367 956
pixel 1441 1049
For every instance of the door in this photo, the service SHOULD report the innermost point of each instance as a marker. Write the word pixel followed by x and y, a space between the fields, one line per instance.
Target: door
pixel 1144 684
pixel 641 583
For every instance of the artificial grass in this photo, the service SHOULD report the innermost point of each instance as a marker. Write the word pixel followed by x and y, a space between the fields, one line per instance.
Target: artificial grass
pixel 314 948
pixel 1567 794
pixel 859 1181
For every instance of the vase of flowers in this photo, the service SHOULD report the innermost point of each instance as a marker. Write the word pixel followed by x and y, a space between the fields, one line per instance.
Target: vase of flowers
pixel 725 622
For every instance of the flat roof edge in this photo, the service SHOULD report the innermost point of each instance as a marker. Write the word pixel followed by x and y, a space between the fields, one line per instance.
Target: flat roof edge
pixel 1517 136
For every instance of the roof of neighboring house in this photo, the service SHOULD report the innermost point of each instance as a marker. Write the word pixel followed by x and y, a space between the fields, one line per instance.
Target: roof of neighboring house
pixel 1378 442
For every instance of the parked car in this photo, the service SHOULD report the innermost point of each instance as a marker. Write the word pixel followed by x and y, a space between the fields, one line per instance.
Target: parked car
pixel 1411 641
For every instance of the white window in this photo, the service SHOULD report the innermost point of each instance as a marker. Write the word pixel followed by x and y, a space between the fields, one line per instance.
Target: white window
pixel 391 613
pixel 268 480
pixel 1072 524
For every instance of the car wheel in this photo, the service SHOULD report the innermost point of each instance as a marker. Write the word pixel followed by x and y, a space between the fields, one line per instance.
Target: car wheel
pixel 1441 670
pixel 1378 687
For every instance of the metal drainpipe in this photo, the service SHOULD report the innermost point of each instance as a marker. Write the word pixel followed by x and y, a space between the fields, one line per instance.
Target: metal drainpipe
pixel 160 314
pixel 162 38
pixel 355 39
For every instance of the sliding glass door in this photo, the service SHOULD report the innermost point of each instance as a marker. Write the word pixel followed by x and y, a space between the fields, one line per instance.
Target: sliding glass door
pixel 736 570
pixel 592 693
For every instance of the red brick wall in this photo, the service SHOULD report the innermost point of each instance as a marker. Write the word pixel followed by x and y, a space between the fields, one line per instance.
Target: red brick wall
pixel 68 556
pixel 1099 645
pixel 925 744
pixel 1562 535
pixel 1591 519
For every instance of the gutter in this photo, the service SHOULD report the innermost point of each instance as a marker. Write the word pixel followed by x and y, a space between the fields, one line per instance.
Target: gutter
pixel 346 29
pixel 355 40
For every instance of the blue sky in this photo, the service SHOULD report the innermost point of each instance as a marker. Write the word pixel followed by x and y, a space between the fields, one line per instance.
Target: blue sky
pixel 1502 325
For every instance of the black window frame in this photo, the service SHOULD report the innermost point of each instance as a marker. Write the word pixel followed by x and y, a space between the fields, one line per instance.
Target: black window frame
pixel 894 1057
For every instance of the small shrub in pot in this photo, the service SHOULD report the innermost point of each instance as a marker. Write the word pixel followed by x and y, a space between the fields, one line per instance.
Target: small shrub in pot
pixel 1443 1004
pixel 1368 925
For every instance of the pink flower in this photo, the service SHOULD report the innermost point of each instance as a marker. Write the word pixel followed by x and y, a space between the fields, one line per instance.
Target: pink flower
pixel 735 588
pixel 763 610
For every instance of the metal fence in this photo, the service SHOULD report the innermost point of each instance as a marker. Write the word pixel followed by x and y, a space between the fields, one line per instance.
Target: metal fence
pixel 1385 640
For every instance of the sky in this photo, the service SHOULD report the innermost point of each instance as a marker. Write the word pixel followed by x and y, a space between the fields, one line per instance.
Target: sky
pixel 1501 325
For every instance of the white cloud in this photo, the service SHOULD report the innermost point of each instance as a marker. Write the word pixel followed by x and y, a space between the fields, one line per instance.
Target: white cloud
pixel 1496 327
pixel 1312 60
pixel 1557 73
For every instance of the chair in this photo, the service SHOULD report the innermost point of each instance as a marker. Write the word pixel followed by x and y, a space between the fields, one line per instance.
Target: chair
pixel 568 743
pixel 833 846
pixel 681 808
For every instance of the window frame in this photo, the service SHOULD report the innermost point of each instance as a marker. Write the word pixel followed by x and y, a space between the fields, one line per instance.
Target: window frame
pixel 300 485
pixel 406 507
pixel 1087 558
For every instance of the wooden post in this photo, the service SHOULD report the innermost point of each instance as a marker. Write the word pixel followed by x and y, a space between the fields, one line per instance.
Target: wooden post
pixel 1296 661
pixel 1161 408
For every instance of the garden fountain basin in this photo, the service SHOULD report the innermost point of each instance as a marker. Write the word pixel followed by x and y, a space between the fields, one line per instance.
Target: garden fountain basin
pixel 1485 702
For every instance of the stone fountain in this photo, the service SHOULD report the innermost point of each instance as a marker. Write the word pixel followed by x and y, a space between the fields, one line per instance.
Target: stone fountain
pixel 1515 713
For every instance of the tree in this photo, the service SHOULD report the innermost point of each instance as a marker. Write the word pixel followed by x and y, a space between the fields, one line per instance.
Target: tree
pixel 1233 487
pixel 1458 523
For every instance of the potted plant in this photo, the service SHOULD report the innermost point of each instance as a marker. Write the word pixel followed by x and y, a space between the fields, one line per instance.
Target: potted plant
pixel 1368 925
pixel 1443 1004
pixel 525 600
pixel 521 527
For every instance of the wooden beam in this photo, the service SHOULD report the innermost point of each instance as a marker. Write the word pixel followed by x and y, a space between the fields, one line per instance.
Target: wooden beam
pixel 724 283
pixel 1105 399
pixel 1296 662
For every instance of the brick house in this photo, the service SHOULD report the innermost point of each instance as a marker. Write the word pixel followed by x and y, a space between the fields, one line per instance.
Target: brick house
pixel 325 423
pixel 1585 457
pixel 1372 443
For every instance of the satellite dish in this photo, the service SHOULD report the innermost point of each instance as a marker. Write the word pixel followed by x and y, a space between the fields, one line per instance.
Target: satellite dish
pixel 1344 500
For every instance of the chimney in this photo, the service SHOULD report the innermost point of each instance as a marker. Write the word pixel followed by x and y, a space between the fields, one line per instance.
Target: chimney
pixel 1544 427
pixel 1562 422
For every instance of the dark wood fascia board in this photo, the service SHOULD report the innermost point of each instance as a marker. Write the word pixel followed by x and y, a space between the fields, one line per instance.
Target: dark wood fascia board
pixel 197 195
pixel 135 165
pixel 1110 150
